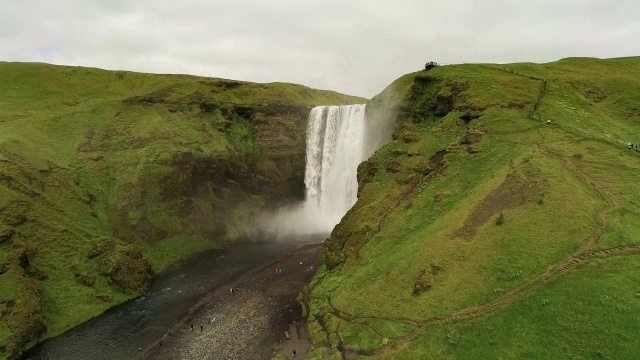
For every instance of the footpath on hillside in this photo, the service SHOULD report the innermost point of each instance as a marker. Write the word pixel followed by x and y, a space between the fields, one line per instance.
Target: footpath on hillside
pixel 589 251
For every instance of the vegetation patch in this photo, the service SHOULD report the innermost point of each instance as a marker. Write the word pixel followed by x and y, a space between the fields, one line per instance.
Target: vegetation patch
pixel 516 190
pixel 560 183
pixel 107 177
pixel 125 267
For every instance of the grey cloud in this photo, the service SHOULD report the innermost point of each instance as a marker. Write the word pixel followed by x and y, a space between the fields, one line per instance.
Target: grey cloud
pixel 356 47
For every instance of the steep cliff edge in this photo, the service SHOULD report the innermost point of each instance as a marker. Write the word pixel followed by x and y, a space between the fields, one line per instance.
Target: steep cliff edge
pixel 107 177
pixel 497 224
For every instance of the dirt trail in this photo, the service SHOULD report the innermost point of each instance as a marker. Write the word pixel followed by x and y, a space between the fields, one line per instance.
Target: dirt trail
pixel 601 217
pixel 542 92
pixel 474 312
pixel 584 254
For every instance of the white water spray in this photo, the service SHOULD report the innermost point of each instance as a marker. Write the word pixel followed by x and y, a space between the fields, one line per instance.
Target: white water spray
pixel 339 138
pixel 335 147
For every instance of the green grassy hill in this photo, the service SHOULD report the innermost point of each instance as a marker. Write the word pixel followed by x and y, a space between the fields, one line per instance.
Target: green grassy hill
pixel 107 177
pixel 501 222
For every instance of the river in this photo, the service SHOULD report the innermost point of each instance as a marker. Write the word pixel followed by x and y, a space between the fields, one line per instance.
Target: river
pixel 193 288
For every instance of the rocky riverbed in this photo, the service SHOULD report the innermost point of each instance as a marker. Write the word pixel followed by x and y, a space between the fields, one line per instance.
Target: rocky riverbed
pixel 249 323
pixel 246 319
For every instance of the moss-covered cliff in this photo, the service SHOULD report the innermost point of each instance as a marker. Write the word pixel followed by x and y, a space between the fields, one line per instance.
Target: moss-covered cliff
pixel 106 177
pixel 499 222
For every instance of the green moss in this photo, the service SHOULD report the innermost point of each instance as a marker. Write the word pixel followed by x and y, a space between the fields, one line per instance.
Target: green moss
pixel 464 133
pixel 155 167
pixel 20 312
pixel 126 268
pixel 562 321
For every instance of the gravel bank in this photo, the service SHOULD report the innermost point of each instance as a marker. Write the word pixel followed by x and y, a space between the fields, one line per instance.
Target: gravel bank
pixel 249 323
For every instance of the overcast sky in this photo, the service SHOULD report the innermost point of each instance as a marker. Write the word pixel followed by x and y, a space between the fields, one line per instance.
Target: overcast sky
pixel 352 46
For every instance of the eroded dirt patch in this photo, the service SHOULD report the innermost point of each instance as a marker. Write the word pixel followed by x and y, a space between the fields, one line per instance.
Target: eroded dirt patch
pixel 516 190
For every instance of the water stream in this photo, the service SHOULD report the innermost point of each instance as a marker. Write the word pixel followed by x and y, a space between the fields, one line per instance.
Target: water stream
pixel 335 147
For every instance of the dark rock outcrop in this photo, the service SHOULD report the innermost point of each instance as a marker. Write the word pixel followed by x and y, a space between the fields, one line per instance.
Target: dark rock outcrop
pixel 126 268
pixel 21 314
pixel 6 233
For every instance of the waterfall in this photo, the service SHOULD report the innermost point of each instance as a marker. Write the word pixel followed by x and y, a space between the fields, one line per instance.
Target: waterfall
pixel 335 147
pixel 339 138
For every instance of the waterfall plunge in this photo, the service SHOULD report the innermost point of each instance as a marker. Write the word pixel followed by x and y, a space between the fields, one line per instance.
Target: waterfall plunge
pixel 339 138
pixel 335 147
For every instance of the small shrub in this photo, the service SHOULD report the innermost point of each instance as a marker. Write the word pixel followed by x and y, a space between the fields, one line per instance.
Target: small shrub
pixel 500 219
pixel 435 268
pixel 622 308
pixel 6 233
pixel 623 335
pixel 453 337
pixel 84 279
pixel 509 275
pixel 541 199
pixel 422 283
pixel 578 156
pixel 599 354
pixel 101 246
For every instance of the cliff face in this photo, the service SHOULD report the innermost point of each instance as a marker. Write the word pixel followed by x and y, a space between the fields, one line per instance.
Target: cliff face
pixel 216 194
pixel 107 177
pixel 496 222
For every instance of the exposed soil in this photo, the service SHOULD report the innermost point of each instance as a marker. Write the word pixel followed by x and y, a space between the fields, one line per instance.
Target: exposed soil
pixel 250 322
pixel 512 193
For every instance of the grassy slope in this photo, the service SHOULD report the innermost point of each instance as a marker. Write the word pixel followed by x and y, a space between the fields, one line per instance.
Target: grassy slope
pixel 570 179
pixel 87 153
